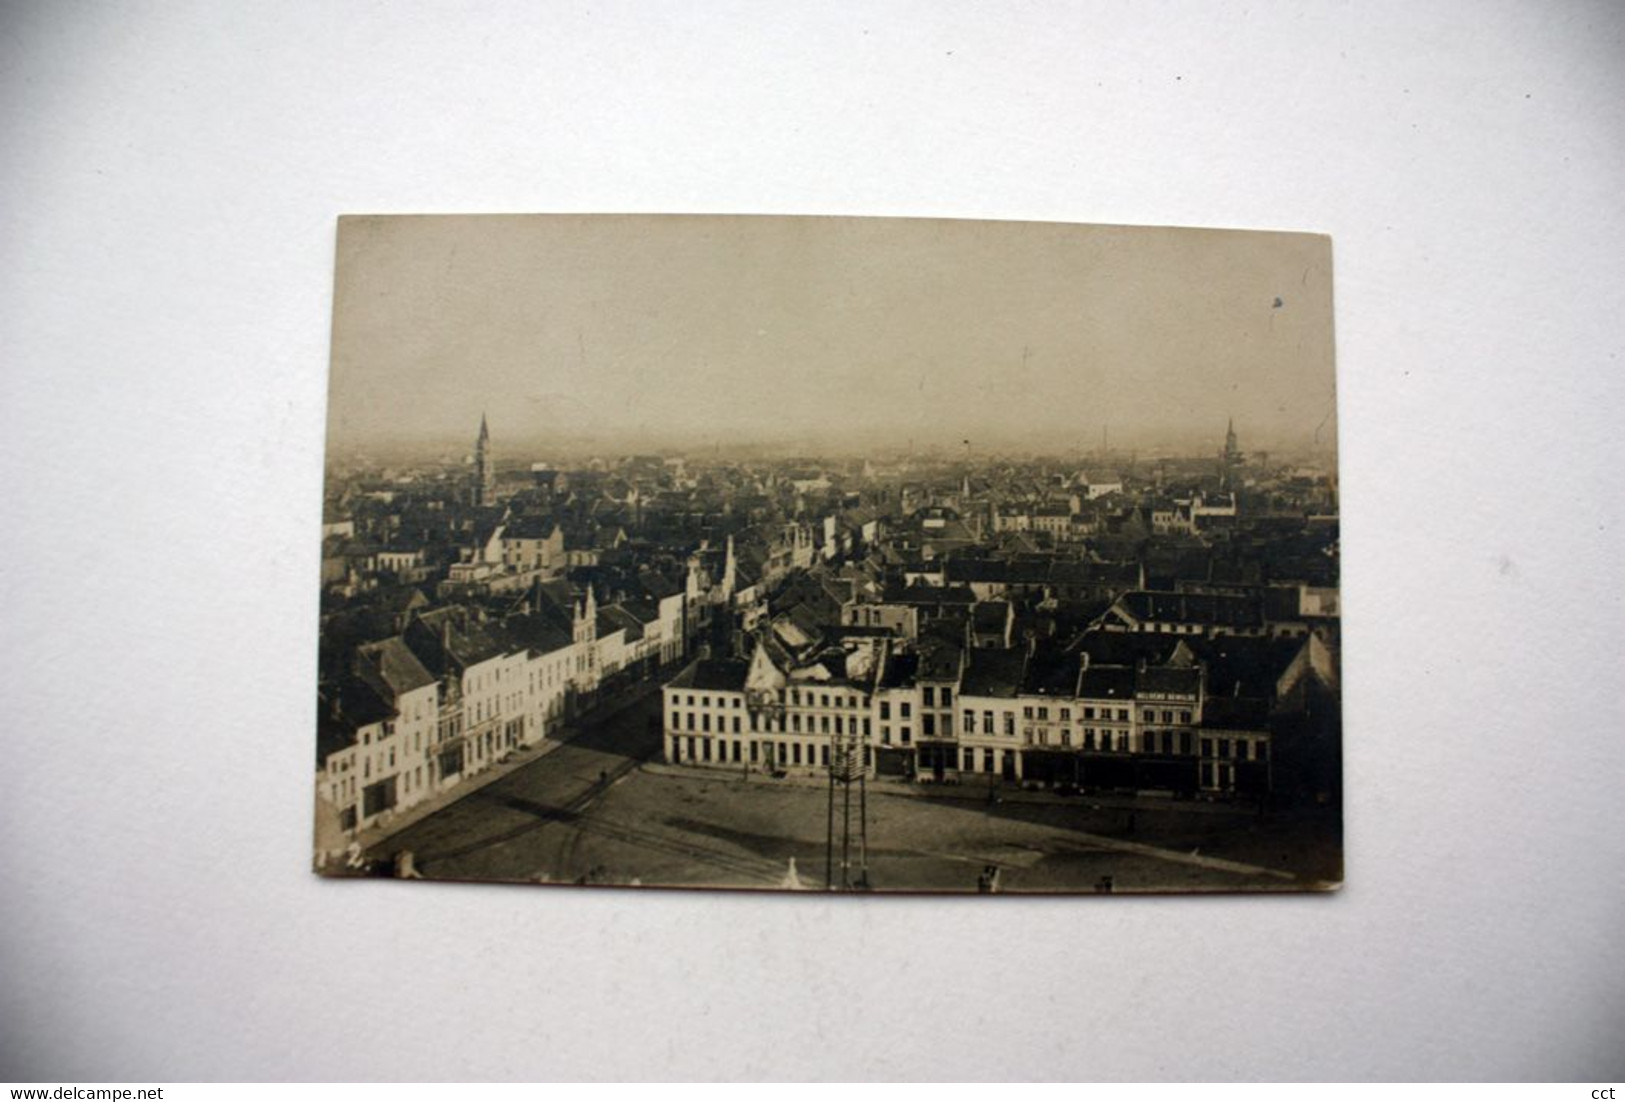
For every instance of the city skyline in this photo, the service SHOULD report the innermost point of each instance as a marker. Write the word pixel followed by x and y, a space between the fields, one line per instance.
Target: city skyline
pixel 638 333
pixel 553 449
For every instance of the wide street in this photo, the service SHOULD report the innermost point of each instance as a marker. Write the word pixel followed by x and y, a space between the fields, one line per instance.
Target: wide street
pixel 523 822
pixel 592 811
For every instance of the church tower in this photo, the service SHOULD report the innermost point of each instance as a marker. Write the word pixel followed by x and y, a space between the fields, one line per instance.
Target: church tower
pixel 1230 465
pixel 485 469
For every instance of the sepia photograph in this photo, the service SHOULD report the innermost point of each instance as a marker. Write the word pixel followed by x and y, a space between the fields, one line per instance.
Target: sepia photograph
pixel 830 554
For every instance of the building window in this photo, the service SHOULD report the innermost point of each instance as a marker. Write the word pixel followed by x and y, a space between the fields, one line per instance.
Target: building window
pixel 928 726
pixel 1043 713
pixel 904 735
pixel 1089 713
pixel 947 697
pixel 1167 717
pixel 885 709
pixel 1184 717
pixel 902 710
pixel 1066 715
pixel 1027 713
pixel 930 695
pixel 1066 737
pixel 676 720
pixel 1122 713
pixel 1010 724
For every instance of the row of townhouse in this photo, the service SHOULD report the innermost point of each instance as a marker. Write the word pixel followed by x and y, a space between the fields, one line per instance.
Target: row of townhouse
pixel 770 714
pixel 1018 715
pixel 452 694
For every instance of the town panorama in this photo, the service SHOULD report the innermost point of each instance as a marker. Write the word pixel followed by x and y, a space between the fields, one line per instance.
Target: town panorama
pixel 1109 669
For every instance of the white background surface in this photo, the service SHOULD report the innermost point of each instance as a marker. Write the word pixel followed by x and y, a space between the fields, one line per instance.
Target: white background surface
pixel 168 183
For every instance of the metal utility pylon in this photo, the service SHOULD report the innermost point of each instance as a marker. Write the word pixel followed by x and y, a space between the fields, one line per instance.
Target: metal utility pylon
pixel 846 769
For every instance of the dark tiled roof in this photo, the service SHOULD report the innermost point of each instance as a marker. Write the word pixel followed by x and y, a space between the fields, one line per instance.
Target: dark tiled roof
pixel 1242 666
pixel 713 675
pixel 361 704
pixel 993 673
pixel 1193 608
pixel 645 611
pixel 1107 683
pixel 390 666
pixel 1235 712
pixel 657 585
pixel 1050 672
pixel 450 637
pixel 1183 680
pixel 940 659
pixel 900 670
pixel 537 632
pixel 613 618
pixel 1124 648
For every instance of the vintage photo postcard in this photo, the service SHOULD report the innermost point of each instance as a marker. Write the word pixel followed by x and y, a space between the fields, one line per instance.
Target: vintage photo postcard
pixel 830 554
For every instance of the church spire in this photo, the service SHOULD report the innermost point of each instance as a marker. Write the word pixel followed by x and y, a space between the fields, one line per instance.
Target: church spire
pixel 485 471
pixel 1232 456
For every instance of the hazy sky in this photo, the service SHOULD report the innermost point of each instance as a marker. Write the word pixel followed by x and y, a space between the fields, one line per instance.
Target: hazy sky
pixel 659 331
